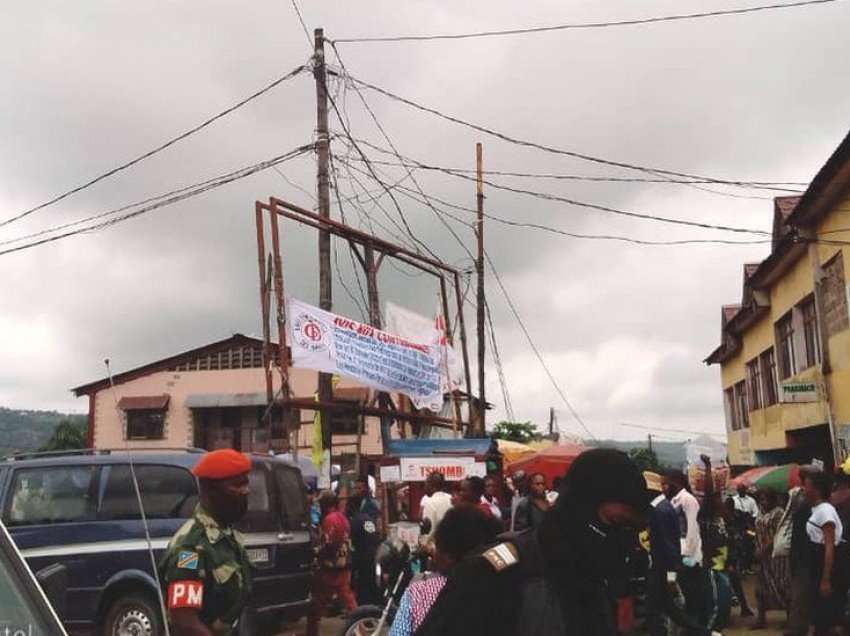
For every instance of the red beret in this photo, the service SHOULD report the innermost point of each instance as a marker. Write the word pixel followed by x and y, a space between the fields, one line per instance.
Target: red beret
pixel 222 464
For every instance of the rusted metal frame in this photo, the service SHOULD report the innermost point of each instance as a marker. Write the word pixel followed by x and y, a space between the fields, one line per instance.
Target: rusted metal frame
pixel 341 229
pixel 350 407
pixel 462 330
pixel 261 266
pixel 417 261
pixel 320 227
pixel 444 300
pixel 280 301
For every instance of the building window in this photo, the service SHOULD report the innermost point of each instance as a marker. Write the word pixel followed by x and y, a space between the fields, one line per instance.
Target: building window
pixel 731 415
pixel 811 332
pixel 345 422
pixel 741 406
pixel 754 378
pixel 785 347
pixel 145 424
pixel 768 372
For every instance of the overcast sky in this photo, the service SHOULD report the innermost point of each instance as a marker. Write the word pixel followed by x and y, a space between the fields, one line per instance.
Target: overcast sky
pixel 624 328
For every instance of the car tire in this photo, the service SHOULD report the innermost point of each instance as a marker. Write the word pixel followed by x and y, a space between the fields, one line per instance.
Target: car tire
pixel 132 615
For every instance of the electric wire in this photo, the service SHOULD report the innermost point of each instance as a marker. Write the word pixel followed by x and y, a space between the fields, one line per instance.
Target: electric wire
pixel 156 150
pixel 534 348
pixel 497 360
pixel 363 156
pixel 589 178
pixel 551 149
pixel 583 25
pixel 386 137
pixel 153 203
pixel 606 237
pixel 592 206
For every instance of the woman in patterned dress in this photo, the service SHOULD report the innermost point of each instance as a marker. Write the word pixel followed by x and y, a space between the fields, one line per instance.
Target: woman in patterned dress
pixel 773 572
pixel 464 528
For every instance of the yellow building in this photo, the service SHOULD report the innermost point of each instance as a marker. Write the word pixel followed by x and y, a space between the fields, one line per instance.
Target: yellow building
pixel 785 349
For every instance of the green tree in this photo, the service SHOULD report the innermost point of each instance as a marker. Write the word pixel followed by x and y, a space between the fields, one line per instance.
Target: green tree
pixel 515 431
pixel 67 436
pixel 645 459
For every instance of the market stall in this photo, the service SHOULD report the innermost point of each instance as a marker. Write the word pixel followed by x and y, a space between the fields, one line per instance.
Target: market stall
pixel 552 461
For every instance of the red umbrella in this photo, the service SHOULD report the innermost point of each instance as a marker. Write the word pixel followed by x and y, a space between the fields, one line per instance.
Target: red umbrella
pixel 551 462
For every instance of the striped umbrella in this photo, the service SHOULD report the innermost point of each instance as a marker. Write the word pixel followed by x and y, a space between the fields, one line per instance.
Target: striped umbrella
pixel 777 478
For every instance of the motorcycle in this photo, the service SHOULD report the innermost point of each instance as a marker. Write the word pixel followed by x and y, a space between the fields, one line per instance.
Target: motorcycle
pixel 396 565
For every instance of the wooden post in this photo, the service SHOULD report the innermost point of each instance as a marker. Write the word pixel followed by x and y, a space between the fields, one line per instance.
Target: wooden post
pixel 444 304
pixel 261 265
pixel 479 265
pixel 462 329
pixel 325 387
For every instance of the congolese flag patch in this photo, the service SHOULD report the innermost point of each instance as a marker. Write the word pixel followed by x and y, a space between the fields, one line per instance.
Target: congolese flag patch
pixel 187 560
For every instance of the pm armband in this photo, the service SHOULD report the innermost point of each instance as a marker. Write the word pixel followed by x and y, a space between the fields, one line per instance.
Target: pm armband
pixel 185 595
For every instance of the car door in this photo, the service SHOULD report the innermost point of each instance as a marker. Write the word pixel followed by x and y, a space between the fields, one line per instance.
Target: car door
pixel 296 548
pixel 51 513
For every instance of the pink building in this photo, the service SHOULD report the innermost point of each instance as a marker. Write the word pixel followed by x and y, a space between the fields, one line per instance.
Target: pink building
pixel 214 397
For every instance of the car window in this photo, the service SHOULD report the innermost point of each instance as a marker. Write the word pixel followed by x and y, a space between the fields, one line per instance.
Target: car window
pixel 292 499
pixel 260 516
pixel 168 492
pixel 58 494
pixel 23 610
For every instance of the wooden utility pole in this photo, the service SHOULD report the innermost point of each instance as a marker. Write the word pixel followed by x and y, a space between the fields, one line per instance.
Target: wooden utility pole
pixel 325 387
pixel 479 265
pixel 551 421
pixel 649 441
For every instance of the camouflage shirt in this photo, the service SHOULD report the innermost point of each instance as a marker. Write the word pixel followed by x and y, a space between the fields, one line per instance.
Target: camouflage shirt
pixel 205 567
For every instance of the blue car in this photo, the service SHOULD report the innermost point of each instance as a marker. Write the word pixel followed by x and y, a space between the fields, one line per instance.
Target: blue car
pixel 80 510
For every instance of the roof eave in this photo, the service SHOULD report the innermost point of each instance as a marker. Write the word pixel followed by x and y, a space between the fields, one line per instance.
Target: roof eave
pixel 831 182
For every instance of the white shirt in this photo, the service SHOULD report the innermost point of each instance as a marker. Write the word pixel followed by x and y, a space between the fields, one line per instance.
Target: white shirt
pixel 688 508
pixel 493 505
pixel 435 508
pixel 822 514
pixel 746 504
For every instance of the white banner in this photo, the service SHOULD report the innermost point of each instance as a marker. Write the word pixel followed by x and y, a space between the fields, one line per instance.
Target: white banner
pixel 326 342
pixel 452 468
pixel 417 328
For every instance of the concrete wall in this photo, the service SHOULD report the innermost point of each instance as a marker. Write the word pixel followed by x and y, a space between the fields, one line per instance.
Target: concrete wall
pixel 109 425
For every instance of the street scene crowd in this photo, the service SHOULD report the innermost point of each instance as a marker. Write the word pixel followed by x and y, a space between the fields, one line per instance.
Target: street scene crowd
pixel 516 557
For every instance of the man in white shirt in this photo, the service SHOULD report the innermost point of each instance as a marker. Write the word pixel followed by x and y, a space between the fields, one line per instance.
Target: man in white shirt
pixel 435 504
pixel 745 503
pixel 692 579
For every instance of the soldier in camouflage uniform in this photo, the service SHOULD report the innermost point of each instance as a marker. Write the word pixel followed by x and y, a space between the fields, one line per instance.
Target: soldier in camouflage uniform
pixel 205 571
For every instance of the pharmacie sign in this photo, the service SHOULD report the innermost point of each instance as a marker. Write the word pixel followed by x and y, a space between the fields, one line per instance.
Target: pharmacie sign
pixel 799 392
pixel 452 468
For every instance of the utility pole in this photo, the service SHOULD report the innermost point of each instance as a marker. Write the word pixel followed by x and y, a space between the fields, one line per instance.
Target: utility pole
pixel 479 265
pixel 551 421
pixel 325 388
pixel 649 441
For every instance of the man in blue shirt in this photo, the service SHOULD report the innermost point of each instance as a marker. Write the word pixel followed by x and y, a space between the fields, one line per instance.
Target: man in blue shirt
pixel 666 553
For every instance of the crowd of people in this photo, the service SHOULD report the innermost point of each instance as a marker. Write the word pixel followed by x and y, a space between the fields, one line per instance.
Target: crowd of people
pixel 515 557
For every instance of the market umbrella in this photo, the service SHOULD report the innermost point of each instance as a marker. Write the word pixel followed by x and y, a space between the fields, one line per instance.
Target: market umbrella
pixel 552 461
pixel 514 451
pixel 777 478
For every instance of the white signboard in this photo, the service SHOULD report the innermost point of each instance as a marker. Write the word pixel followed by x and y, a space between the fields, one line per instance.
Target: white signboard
pixel 453 468
pixel 799 392
pixel 390 474
pixel 326 342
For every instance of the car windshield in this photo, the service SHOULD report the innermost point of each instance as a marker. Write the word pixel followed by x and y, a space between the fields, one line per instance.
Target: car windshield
pixel 23 610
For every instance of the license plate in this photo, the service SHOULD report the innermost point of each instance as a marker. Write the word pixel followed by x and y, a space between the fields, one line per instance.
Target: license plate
pixel 258 555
